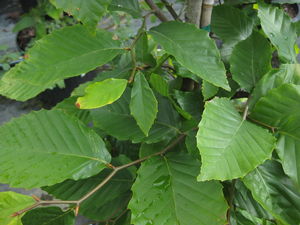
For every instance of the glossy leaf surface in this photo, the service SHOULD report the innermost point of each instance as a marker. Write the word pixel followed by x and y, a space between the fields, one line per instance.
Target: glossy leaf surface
pixel 197 52
pixel 50 216
pixel 64 53
pixel 280 30
pixel 171 194
pixel 47 147
pixel 89 12
pixel 230 147
pixel 130 6
pixel 250 60
pixel 275 192
pixel 231 24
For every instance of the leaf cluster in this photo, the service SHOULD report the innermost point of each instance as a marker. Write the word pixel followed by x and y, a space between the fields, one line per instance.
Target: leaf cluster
pixel 134 146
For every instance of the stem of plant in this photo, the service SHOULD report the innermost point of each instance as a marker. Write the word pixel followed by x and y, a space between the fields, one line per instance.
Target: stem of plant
pixel 106 180
pixel 170 9
pixel 157 11
pixel 160 62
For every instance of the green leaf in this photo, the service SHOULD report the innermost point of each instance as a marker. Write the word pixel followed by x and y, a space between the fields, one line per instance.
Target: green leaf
pixel 191 144
pixel 11 202
pixel 116 120
pixel 58 56
pixel 279 108
pixel 250 60
pixel 129 6
pixel 285 1
pixel 196 51
pixel 47 147
pixel 106 203
pixel 243 217
pixel 119 73
pixel 280 30
pixel 50 216
pixel 25 22
pixel 143 104
pixel 288 149
pixel 244 200
pixel 68 107
pixel 208 90
pixel 166 192
pixel 231 24
pixel 89 12
pixel 275 192
pixel 230 147
pixel 102 93
pixel 143 52
pixel 191 102
pixel 287 73
pixel 159 84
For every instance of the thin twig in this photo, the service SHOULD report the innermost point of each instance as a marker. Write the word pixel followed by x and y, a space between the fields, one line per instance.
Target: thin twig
pixel 170 9
pixel 160 62
pixel 122 213
pixel 245 112
pixel 263 124
pixel 90 193
pixel 52 202
pixel 106 180
pixel 157 11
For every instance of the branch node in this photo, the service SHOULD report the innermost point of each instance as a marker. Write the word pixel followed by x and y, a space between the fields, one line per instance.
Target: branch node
pixel 110 166
pixel 36 198
pixel 77 209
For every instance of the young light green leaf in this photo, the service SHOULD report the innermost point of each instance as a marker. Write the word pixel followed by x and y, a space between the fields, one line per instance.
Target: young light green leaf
pixel 58 56
pixel 102 93
pixel 280 30
pixel 11 202
pixel 159 84
pixel 275 192
pixel 196 51
pixel 47 147
pixel 89 12
pixel 108 202
pixel 50 216
pixel 230 147
pixel 143 104
pixel 250 60
pixel 129 6
pixel 166 192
